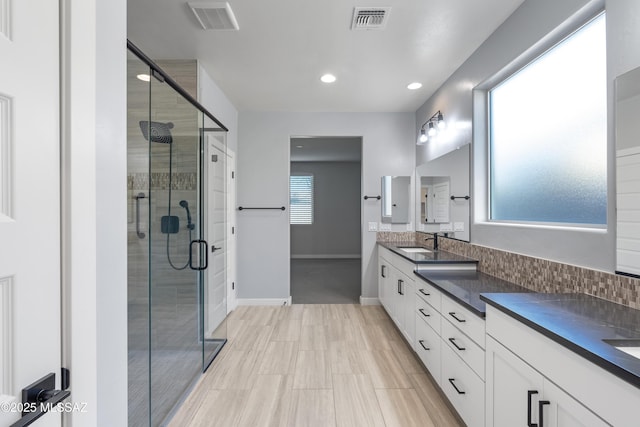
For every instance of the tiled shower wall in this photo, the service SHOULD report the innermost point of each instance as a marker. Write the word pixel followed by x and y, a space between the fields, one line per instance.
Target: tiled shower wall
pixel 537 274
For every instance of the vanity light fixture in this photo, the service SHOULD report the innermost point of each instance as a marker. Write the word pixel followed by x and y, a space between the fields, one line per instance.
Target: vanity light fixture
pixel 423 136
pixel 144 77
pixel 431 127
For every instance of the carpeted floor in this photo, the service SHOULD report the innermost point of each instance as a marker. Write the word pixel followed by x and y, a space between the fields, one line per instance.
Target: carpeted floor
pixel 325 281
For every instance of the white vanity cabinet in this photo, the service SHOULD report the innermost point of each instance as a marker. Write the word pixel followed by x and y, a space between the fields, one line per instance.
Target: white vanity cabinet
pixel 396 290
pixel 517 394
pixel 428 344
pixel 450 343
pixel 448 338
pixel 383 276
pixel 531 379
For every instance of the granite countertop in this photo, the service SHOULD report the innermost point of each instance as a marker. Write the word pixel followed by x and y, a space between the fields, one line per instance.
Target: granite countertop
pixel 432 257
pixel 580 323
pixel 465 286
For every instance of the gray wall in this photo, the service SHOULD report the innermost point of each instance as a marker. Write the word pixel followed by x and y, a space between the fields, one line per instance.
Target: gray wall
pixel 388 143
pixel 336 212
pixel 213 99
pixel 527 26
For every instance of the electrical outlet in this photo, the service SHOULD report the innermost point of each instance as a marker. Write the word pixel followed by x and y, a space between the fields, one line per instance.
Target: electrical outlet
pixel 420 226
pixel 373 226
pixel 458 226
pixel 446 227
pixel 410 226
pixel 384 227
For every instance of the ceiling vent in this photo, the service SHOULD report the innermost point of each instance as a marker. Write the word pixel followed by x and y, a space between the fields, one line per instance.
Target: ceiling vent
pixel 214 16
pixel 370 18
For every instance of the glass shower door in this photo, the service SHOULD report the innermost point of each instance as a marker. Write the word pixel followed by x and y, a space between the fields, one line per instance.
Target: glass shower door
pixel 176 348
pixel 177 199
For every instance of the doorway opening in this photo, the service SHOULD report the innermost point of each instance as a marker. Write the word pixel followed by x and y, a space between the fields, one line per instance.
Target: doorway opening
pixel 325 216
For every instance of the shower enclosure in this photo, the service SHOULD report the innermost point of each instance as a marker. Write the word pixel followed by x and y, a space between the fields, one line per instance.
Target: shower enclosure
pixel 176 280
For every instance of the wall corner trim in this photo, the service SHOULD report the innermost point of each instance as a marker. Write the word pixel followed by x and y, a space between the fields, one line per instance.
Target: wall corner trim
pixel 369 301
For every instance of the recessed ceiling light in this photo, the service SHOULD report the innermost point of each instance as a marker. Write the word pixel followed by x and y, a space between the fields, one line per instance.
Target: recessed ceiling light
pixel 328 78
pixel 144 77
pixel 414 86
pixel 299 146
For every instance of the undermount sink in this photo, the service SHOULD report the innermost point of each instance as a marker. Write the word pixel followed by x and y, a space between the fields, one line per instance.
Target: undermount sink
pixel 414 249
pixel 631 347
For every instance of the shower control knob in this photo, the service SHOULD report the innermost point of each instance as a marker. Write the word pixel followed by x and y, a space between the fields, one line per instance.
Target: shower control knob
pixel 213 248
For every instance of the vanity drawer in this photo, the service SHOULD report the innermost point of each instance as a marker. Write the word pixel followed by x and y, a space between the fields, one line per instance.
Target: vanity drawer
pixel 428 315
pixel 429 294
pixel 463 387
pixel 473 326
pixel 405 266
pixel 428 345
pixel 464 347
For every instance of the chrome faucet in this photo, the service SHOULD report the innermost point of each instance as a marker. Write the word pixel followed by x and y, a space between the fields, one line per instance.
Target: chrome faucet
pixel 435 241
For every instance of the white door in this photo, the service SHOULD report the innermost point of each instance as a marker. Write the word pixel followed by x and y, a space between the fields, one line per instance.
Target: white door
pixel 442 201
pixel 231 231
pixel 216 301
pixel 29 200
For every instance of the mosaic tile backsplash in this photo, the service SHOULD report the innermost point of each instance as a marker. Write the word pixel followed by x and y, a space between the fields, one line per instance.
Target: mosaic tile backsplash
pixel 539 275
pixel 160 181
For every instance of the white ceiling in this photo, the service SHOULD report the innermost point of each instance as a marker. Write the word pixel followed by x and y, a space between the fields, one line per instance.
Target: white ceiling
pixel 275 60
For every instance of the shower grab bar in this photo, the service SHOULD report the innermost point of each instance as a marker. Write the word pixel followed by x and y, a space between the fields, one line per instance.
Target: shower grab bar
pixel 241 208
pixel 460 197
pixel 139 196
pixel 372 197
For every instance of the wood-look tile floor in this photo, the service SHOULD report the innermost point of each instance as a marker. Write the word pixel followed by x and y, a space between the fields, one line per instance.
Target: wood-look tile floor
pixel 315 365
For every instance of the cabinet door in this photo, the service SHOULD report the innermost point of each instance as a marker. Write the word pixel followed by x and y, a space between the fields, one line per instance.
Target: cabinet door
pixel 513 388
pixel 383 275
pixel 393 294
pixel 408 310
pixel 564 411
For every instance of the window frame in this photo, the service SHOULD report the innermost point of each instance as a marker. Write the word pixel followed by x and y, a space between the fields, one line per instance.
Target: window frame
pixel 481 169
pixel 313 190
pixel 534 54
pixel 589 247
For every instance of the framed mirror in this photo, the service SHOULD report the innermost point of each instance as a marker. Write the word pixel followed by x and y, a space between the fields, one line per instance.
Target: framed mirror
pixel 445 180
pixel 396 194
pixel 627 115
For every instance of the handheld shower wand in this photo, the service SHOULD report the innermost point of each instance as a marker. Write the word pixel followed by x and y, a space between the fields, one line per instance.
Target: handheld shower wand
pixel 185 205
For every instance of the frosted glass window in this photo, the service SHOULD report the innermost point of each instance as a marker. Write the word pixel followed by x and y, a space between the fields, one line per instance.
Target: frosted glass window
pixel 301 199
pixel 548 135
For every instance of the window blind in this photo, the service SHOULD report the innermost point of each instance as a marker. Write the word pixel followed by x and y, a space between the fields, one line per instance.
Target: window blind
pixel 301 199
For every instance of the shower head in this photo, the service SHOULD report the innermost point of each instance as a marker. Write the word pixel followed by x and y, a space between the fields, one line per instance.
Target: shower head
pixel 158 131
pixel 184 204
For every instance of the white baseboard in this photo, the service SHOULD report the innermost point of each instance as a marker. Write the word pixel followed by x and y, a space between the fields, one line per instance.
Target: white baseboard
pixel 263 301
pixel 327 256
pixel 369 301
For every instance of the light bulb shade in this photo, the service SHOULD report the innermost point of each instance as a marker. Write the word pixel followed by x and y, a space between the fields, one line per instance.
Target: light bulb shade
pixel 441 123
pixel 432 130
pixel 423 136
